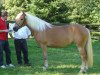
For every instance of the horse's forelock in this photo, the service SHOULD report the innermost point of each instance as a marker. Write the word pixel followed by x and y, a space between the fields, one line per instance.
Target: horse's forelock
pixel 19 15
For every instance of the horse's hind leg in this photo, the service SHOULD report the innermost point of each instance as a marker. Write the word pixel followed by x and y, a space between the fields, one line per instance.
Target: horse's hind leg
pixel 83 55
pixel 44 49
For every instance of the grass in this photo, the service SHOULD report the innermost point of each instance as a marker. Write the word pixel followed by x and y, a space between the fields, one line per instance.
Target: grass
pixel 62 61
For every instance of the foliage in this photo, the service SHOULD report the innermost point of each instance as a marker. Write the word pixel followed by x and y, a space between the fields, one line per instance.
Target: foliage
pixel 52 11
pixel 63 11
pixel 15 6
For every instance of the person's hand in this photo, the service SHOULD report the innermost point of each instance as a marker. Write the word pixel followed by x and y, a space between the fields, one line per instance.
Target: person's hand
pixel 10 31
pixel 6 30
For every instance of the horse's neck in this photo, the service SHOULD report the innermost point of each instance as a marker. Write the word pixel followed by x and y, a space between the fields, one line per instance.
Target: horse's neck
pixel 30 28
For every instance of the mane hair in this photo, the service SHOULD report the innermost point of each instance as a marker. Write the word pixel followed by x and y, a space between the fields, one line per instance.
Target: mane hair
pixel 36 23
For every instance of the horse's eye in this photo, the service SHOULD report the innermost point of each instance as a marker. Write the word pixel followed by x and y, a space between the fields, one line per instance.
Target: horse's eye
pixel 21 19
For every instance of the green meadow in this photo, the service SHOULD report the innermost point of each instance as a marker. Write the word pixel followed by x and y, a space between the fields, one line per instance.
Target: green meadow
pixel 62 61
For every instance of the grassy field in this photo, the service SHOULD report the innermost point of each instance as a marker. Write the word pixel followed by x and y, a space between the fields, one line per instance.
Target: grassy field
pixel 62 61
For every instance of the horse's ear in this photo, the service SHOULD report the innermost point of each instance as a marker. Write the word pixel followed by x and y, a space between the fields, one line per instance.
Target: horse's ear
pixel 23 13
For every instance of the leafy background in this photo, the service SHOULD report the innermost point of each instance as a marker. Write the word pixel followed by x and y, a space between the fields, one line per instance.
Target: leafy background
pixel 57 11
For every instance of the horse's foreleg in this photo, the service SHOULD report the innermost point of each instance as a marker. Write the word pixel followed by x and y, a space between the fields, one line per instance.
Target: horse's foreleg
pixel 83 54
pixel 44 49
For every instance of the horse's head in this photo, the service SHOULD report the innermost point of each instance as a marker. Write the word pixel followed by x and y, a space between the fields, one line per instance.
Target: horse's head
pixel 32 22
pixel 20 19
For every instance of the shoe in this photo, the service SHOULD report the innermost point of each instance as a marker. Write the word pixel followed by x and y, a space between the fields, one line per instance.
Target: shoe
pixel 10 65
pixel 3 66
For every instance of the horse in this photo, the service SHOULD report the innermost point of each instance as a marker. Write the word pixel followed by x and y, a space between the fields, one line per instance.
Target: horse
pixel 48 35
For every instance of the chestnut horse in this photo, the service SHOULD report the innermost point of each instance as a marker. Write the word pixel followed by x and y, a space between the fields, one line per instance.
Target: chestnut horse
pixel 48 35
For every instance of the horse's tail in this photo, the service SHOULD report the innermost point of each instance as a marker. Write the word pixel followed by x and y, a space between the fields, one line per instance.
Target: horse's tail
pixel 89 50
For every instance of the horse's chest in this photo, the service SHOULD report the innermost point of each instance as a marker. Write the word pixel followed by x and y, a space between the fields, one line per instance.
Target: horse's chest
pixel 39 38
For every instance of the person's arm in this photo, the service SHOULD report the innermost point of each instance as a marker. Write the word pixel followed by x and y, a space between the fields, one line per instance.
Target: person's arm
pixel 6 30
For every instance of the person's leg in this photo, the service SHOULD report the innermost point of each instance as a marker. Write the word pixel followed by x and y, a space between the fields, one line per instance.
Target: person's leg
pixel 18 51
pixel 25 51
pixel 1 52
pixel 7 52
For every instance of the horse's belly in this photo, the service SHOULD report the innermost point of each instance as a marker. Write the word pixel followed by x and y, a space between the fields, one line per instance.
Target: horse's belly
pixel 56 46
pixel 58 37
pixel 59 44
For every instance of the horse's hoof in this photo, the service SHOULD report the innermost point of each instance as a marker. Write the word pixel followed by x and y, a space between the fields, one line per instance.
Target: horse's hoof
pixel 82 71
pixel 44 68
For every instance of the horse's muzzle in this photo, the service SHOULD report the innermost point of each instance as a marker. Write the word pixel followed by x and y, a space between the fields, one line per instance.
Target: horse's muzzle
pixel 15 28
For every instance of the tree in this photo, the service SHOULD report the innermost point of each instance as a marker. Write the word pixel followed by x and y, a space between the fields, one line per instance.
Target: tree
pixel 63 11
pixel 85 11
pixel 50 10
pixel 15 6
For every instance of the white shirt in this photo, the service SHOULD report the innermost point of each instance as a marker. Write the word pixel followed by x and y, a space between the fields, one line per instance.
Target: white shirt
pixel 22 33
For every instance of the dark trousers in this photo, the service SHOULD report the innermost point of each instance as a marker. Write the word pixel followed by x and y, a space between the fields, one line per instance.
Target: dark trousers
pixel 21 47
pixel 4 45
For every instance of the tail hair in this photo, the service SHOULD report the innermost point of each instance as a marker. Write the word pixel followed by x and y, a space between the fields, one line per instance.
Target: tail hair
pixel 89 50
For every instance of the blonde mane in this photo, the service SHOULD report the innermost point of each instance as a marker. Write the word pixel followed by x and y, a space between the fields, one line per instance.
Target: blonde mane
pixel 37 23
